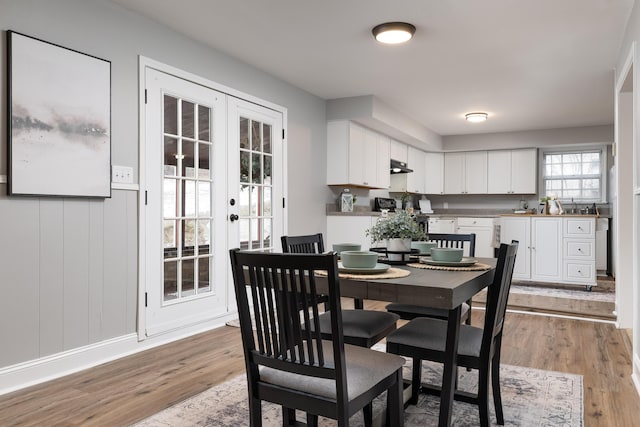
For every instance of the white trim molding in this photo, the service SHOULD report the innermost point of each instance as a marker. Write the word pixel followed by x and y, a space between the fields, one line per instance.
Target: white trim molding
pixel 635 375
pixel 127 187
pixel 57 365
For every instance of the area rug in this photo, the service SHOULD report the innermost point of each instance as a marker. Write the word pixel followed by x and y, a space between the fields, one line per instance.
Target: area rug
pixel 578 293
pixel 531 397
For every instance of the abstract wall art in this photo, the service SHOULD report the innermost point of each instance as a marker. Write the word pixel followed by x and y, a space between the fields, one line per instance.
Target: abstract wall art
pixel 59 120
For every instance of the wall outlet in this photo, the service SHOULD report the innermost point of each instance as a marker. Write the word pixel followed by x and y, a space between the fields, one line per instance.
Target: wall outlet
pixel 122 174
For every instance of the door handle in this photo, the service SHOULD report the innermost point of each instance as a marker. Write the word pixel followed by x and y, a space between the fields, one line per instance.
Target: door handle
pixel 233 217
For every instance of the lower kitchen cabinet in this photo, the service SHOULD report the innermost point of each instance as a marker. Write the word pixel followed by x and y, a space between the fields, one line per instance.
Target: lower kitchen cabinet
pixel 552 249
pixel 483 229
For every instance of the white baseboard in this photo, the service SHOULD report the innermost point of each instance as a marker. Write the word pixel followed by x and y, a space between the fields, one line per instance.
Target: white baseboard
pixel 635 376
pixel 25 374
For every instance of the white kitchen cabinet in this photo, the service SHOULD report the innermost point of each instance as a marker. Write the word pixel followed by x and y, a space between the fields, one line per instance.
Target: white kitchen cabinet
pixel 512 171
pixel 442 225
pixel 552 249
pixel 412 182
pixel 399 151
pixel 546 249
pixel 483 229
pixel 383 160
pixel 518 228
pixel 434 173
pixel 465 172
pixel 348 229
pixel 352 156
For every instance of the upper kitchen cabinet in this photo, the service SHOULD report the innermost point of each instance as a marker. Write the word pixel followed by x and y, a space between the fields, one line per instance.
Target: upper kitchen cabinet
pixel 512 171
pixel 434 173
pixel 465 172
pixel 412 182
pixel 399 151
pixel 356 156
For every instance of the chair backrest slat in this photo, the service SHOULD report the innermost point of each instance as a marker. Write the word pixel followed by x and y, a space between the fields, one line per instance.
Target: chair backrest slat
pixel 283 290
pixel 447 240
pixel 498 295
pixel 308 244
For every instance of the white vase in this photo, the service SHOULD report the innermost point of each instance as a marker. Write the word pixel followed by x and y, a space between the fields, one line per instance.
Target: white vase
pixel 398 245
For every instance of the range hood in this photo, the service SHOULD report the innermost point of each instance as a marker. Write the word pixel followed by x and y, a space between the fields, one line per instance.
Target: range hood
pixel 399 167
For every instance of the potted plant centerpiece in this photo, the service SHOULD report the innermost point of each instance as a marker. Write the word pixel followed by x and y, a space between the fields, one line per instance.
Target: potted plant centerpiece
pixel 396 231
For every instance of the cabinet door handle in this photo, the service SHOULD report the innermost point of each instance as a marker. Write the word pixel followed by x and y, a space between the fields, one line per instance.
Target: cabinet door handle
pixel 579 228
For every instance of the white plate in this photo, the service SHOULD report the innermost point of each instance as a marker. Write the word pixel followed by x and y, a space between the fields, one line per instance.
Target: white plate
pixel 378 268
pixel 465 262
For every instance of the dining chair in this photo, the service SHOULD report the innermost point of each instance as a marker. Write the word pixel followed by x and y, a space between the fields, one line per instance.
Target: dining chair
pixel 478 348
pixel 363 328
pixel 294 366
pixel 444 240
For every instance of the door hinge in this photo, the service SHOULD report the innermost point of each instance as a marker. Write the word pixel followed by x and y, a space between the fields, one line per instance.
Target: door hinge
pixel 145 96
pixel 146 295
pixel 145 198
pixel 283 204
pixel 282 133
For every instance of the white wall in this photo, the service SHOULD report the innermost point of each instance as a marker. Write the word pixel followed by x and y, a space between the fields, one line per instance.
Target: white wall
pixel 626 176
pixel 65 288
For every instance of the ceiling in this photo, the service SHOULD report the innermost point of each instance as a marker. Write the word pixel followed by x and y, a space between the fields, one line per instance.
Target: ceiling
pixel 530 64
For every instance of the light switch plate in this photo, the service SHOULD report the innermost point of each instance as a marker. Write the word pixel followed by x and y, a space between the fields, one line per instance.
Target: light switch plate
pixel 122 174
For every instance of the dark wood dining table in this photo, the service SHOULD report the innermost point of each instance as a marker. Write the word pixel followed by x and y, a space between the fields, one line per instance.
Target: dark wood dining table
pixel 431 288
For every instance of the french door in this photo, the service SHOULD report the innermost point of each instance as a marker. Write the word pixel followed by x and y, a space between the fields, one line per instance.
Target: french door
pixel 213 172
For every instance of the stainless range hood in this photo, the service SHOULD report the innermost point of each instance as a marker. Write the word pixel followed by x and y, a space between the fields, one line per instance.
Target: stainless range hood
pixel 399 167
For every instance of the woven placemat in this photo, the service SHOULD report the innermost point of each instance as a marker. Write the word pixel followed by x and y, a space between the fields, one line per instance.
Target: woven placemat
pixel 476 267
pixel 391 273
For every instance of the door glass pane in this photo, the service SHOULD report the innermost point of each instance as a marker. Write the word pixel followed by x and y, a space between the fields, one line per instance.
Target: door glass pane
pixel 254 201
pixel 204 120
pixel 266 232
pixel 187 157
pixel 188 122
pixel 204 198
pixel 244 166
pixel 170 280
pixel 244 133
pixel 255 242
pixel 188 286
pixel 169 198
pixel 243 225
pixel 256 169
pixel 256 136
pixel 170 115
pixel 204 269
pixel 203 161
pixel 169 240
pixel 267 169
pixel 204 236
pixel 266 202
pixel 266 138
pixel 189 204
pixel 189 230
pixel 170 156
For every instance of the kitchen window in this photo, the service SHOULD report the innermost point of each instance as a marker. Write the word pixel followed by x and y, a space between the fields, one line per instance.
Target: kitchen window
pixel 574 175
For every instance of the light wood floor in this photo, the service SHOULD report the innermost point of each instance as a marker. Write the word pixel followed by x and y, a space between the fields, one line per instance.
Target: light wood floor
pixel 122 392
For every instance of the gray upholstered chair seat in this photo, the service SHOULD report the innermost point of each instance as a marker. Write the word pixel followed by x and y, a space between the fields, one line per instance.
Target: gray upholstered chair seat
pixel 408 311
pixel 430 334
pixel 361 327
pixel 365 368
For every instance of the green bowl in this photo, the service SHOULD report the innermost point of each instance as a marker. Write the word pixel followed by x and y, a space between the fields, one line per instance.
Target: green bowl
pixel 424 247
pixel 358 259
pixel 341 247
pixel 446 254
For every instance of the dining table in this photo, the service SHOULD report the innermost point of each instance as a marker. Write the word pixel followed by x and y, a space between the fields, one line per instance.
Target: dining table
pixel 445 289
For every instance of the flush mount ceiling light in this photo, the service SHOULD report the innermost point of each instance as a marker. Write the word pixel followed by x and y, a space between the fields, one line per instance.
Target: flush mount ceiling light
pixel 393 32
pixel 476 117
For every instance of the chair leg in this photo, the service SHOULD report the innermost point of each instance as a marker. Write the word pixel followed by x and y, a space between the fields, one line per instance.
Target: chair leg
pixel 358 304
pixel 367 414
pixel 483 397
pixel 288 417
pixel 255 412
pixel 495 385
pixel 395 405
pixel 416 381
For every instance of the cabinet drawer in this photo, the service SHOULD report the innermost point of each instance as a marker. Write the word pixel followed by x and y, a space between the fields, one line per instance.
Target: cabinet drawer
pixel 579 227
pixel 580 271
pixel 475 222
pixel 579 249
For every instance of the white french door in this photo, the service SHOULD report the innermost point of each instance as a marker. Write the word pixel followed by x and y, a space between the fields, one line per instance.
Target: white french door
pixel 213 181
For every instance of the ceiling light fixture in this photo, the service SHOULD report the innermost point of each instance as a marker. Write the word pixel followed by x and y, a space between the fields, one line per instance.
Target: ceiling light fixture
pixel 476 117
pixel 393 32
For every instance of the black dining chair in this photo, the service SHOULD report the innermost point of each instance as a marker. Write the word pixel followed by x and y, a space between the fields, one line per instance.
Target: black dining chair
pixel 478 348
pixel 444 240
pixel 363 328
pixel 294 366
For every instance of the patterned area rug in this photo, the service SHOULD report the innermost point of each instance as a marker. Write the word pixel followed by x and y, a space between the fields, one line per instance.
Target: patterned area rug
pixel 531 397
pixel 578 293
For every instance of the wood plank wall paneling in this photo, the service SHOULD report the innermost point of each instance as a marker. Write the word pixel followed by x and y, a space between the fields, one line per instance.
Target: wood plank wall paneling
pixel 68 273
pixel 19 261
pixel 51 274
